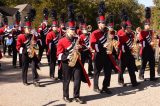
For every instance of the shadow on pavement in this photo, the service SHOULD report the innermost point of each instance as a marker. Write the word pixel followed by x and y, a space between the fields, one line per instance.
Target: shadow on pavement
pixel 122 91
pixel 45 83
pixel 49 103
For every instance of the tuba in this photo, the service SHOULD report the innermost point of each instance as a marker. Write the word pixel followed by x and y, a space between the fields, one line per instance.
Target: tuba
pixel 74 55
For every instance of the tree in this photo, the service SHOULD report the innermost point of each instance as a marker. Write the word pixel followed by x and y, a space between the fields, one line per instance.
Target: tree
pixel 86 7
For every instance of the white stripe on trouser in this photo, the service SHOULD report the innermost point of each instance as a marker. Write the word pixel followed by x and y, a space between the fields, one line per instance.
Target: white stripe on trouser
pixel 50 46
pixel 123 49
pixel 40 42
pixel 144 44
pixel 20 50
pixel 96 47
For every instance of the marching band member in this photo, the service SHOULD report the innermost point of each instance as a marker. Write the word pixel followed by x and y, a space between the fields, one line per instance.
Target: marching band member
pixel 147 52
pixel 51 42
pixel 68 52
pixel 112 35
pixel 26 44
pixel 101 59
pixel 16 31
pixel 43 30
pixel 2 29
pixel 62 31
pixel 6 34
pixel 126 38
pixel 86 53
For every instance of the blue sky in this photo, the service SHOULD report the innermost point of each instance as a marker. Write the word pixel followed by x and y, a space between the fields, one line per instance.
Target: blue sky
pixel 146 2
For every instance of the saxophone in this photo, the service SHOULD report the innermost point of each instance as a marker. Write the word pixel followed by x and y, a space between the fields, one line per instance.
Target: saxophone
pixel 32 48
pixel 110 43
pixel 74 55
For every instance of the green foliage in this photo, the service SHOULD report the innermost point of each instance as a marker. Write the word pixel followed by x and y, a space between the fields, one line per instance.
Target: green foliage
pixel 86 7
pixel 156 15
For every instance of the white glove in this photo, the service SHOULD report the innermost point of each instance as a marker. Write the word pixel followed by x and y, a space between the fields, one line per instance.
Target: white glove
pixel 20 50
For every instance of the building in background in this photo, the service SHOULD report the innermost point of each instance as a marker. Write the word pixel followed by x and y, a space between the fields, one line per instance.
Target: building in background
pixel 23 9
pixel 9 12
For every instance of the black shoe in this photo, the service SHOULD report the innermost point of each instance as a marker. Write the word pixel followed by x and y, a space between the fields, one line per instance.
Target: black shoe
pixel 135 84
pixel 25 83
pixel 106 90
pixel 79 100
pixel 97 90
pixel 67 99
pixel 54 78
pixel 36 84
pixel 14 66
pixel 90 74
pixel 60 78
pixel 122 84
pixel 141 77
pixel 36 80
pixel 153 79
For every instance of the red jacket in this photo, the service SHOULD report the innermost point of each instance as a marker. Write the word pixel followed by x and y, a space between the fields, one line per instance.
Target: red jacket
pixel 65 46
pixel 43 29
pixel 125 42
pixel 124 39
pixel 85 38
pixel 120 32
pixel 51 37
pixel 2 30
pixel 79 32
pixel 21 41
pixel 97 39
pixel 145 37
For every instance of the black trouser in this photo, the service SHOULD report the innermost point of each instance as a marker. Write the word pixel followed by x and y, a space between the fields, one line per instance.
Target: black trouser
pixel 41 50
pixel 26 60
pixel 60 69
pixel 53 59
pixel 87 56
pixel 68 73
pixel 127 60
pixel 148 56
pixel 9 49
pixel 4 44
pixel 102 62
pixel 158 69
pixel 14 61
pixel 20 60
